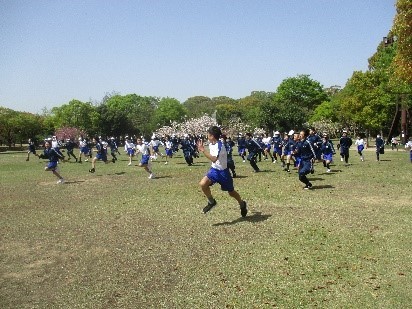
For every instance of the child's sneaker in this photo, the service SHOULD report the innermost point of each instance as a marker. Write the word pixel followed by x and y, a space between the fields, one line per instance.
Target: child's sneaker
pixel 209 206
pixel 60 181
pixel 92 170
pixel 243 209
pixel 308 186
pixel 151 176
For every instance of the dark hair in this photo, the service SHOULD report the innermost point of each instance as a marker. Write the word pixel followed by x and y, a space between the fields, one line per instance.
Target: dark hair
pixel 305 132
pixel 215 131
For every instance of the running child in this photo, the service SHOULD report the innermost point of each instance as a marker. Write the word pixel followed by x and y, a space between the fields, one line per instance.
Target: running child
pixel 146 151
pixel 53 156
pixel 31 149
pixel 169 148
pixel 69 148
pixel 84 150
pixel 327 151
pixel 218 173
pixel 101 154
pixel 130 149
pixel 360 145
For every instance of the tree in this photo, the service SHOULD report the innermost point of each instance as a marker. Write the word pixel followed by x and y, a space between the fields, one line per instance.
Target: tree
pixel 365 103
pixel 167 111
pixel 198 106
pixel 294 102
pixel 403 31
pixel 76 114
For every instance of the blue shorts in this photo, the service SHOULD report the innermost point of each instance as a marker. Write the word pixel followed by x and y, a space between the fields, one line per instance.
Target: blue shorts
pixel 101 156
pixel 277 150
pixel 155 148
pixel 52 165
pixel 145 159
pixel 241 151
pixel 221 177
pixel 287 152
pixel 268 147
pixel 84 150
pixel 169 152
pixel 130 151
pixel 328 157
pixel 360 148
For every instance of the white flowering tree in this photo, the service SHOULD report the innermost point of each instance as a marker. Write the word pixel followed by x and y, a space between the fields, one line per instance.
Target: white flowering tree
pixel 236 126
pixel 192 126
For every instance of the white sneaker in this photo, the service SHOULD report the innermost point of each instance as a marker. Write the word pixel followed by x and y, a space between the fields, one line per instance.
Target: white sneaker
pixel 328 170
pixel 165 163
pixel 129 164
pixel 86 160
pixel 274 162
pixel 151 176
pixel 341 159
pixel 60 181
pixel 244 161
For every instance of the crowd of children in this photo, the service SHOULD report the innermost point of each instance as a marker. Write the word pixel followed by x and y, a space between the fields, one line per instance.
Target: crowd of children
pixel 296 149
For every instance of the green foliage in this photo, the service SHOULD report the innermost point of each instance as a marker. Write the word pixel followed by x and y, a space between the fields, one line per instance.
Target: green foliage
pixel 403 31
pixel 18 127
pixel 325 110
pixel 129 114
pixel 198 106
pixel 75 114
pixel 295 101
pixel 167 111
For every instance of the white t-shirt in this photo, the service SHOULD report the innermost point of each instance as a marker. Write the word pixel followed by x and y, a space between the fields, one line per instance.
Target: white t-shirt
pixel 169 144
pixel 143 149
pixel 218 150
pixel 128 145
pixel 359 142
pixel 155 142
pixel 267 140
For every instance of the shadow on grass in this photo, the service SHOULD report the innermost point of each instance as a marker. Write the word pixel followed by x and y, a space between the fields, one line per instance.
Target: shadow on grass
pixel 120 173
pixel 239 177
pixel 72 182
pixel 160 177
pixel 314 178
pixel 322 187
pixel 255 217
pixel 384 160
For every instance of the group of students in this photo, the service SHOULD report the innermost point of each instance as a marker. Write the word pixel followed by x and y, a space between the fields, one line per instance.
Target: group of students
pixel 302 148
pixel 286 149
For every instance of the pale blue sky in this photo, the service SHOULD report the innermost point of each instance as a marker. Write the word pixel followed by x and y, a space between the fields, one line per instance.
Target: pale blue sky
pixel 54 51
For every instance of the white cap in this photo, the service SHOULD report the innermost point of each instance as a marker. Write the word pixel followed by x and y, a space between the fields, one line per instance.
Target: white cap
pixel 277 133
pixel 291 132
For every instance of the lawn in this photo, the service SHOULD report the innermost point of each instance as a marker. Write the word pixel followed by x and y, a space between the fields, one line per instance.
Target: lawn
pixel 116 239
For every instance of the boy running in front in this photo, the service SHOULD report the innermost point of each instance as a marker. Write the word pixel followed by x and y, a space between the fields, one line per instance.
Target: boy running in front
pixel 219 172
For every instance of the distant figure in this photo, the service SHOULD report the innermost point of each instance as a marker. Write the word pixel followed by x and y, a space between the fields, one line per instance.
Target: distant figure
pixel 408 145
pixel 360 144
pixel 345 142
pixel 394 143
pixel 31 149
pixel 380 146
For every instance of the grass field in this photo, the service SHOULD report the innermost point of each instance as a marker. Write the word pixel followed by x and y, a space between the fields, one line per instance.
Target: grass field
pixel 116 239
